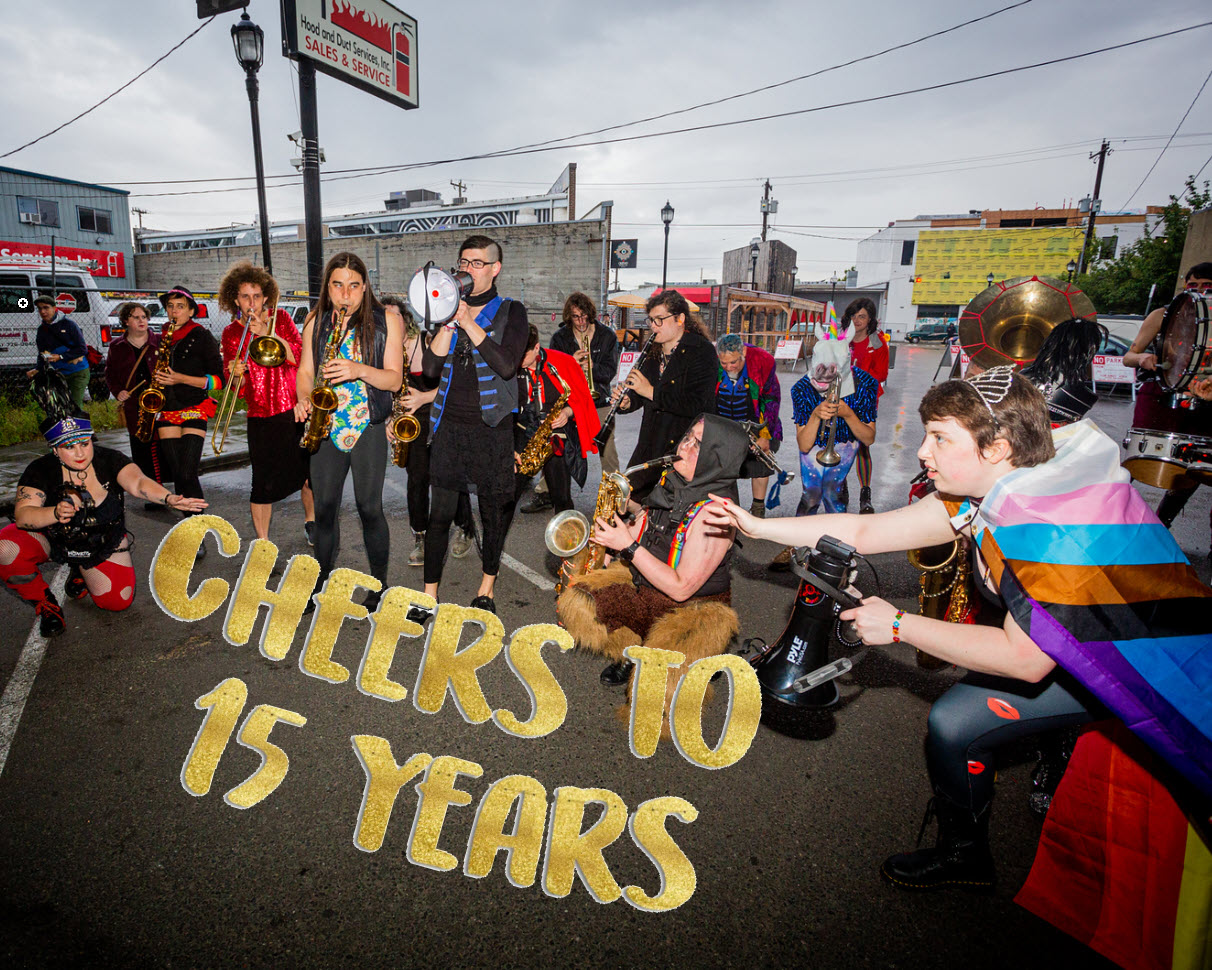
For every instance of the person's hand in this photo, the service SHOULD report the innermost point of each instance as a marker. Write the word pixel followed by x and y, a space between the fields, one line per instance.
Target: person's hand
pixel 259 326
pixel 53 358
pixel 562 418
pixel 639 383
pixel 183 504
pixel 723 514
pixel 763 443
pixel 66 509
pixel 414 400
pixel 32 373
pixel 1147 362
pixel 169 377
pixel 464 316
pixel 340 370
pixel 237 367
pixel 872 620
pixel 581 357
pixel 302 409
pixel 825 410
pixel 617 395
pixel 123 396
pixel 612 533
pixel 1201 387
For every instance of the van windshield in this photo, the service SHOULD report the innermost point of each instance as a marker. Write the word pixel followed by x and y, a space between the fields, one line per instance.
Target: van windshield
pixel 64 282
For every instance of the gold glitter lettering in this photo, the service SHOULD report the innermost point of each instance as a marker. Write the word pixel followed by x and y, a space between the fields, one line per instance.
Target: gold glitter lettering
pixel 648 832
pixel 174 560
pixel 523 845
pixel 335 603
pixel 525 659
pixel 444 666
pixel 254 733
pixel 648 696
pixel 573 852
pixel 741 721
pixel 223 706
pixel 437 793
pixel 286 605
pixel 384 779
pixel 388 624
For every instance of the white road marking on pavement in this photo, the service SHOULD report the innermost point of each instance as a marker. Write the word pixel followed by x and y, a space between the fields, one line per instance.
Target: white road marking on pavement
pixel 538 579
pixel 16 692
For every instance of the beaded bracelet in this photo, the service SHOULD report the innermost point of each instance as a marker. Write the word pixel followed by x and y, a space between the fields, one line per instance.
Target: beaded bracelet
pixel 896 626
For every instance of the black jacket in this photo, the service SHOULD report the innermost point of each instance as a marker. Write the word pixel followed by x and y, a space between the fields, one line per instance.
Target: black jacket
pixel 681 394
pixel 603 352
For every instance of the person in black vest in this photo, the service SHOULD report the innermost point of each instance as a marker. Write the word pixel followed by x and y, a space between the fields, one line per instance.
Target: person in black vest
pixel 475 358
pixel 364 370
pixel 674 383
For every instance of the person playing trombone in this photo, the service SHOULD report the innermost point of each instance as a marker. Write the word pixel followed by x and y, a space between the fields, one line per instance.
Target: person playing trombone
pixel 279 466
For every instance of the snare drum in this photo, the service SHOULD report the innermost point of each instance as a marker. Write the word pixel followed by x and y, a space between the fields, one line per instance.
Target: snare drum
pixel 1163 459
pixel 1185 353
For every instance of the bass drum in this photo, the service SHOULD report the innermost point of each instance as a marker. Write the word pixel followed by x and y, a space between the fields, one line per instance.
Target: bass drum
pixel 1166 460
pixel 1185 354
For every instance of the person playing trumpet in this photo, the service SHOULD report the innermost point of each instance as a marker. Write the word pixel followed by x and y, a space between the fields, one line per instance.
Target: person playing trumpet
pixel 279 466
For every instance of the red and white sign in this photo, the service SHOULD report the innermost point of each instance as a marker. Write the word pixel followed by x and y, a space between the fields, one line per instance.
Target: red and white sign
pixel 66 302
pixel 108 262
pixel 627 361
pixel 1111 370
pixel 788 348
pixel 370 44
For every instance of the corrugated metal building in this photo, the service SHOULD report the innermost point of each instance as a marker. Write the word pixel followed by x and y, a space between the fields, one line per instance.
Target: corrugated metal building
pixel 87 221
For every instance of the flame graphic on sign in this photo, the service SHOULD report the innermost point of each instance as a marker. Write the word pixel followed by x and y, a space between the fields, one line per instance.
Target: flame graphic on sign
pixel 368 26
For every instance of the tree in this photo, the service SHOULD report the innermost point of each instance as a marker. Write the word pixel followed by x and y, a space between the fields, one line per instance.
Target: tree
pixel 1122 285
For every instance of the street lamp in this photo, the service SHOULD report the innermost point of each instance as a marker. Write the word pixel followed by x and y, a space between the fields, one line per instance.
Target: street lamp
pixel 666 217
pixel 249 42
pixel 834 279
pixel 755 250
pixel 1072 268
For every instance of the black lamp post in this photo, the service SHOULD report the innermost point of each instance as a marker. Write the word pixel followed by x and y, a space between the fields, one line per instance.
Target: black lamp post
pixel 249 42
pixel 1072 268
pixel 833 281
pixel 666 217
pixel 755 250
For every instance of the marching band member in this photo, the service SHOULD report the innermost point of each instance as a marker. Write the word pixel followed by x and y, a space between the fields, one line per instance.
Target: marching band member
pixel 747 389
pixel 279 465
pixel 196 369
pixel 363 363
pixel 869 353
pixel 70 510
pixel 128 370
pixel 673 384
pixel 475 358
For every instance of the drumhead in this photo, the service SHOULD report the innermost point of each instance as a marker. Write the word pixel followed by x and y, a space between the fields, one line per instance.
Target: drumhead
pixel 1184 336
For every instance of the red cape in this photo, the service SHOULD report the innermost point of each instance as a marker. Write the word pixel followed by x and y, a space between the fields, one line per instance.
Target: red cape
pixel 581 401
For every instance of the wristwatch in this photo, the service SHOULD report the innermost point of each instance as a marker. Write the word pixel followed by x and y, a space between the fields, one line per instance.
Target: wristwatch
pixel 626 554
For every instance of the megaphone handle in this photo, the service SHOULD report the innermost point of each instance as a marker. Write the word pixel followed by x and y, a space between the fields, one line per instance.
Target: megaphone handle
pixel 822 675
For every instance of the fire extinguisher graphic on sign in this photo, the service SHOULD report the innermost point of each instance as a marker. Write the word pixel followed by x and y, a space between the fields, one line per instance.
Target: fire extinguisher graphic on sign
pixel 402 51
pixel 112 265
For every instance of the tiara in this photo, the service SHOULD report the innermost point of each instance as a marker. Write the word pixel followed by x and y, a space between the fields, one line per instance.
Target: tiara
pixel 992 385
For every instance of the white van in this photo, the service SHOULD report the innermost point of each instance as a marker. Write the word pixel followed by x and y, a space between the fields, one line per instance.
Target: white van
pixel 75 292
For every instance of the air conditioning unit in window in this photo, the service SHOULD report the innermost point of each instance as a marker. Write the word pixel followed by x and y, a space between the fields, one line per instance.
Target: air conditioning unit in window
pixel 31 218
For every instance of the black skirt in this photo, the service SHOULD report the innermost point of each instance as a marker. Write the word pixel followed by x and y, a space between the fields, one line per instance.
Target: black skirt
pixel 279 465
pixel 473 458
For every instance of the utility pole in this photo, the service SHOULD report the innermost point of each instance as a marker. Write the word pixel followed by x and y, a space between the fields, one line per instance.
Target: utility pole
pixel 460 188
pixel 766 209
pixel 312 217
pixel 1095 204
pixel 140 213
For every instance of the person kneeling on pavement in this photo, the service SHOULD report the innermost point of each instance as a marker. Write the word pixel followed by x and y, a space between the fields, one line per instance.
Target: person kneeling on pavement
pixel 70 510
pixel 668 586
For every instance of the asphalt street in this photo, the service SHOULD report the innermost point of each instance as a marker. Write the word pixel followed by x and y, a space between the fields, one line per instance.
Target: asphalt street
pixel 109 860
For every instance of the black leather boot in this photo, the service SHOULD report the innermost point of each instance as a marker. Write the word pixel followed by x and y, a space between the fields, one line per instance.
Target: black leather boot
pixel 960 856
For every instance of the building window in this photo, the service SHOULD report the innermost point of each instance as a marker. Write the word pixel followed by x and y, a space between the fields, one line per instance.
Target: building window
pixel 1107 246
pixel 94 220
pixel 907 252
pixel 45 211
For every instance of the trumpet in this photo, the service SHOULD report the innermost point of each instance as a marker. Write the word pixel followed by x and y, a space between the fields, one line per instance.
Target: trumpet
pixel 828 456
pixel 323 397
pixel 587 346
pixel 405 428
pixel 266 350
pixel 754 430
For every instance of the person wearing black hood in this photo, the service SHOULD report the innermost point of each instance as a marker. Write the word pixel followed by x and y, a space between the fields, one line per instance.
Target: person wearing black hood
pixel 475 360
pixel 669 585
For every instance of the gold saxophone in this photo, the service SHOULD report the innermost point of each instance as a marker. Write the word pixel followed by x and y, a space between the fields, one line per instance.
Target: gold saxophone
pixel 323 397
pixel 945 569
pixel 539 448
pixel 151 400
pixel 405 428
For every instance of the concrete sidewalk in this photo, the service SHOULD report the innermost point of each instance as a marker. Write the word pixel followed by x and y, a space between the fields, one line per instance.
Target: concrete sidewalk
pixel 15 458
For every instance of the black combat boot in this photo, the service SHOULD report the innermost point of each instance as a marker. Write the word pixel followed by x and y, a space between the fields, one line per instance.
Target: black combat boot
pixel 960 856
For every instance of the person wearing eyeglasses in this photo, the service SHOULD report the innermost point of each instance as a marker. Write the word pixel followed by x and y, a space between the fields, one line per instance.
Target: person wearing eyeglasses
pixel 673 384
pixel 475 359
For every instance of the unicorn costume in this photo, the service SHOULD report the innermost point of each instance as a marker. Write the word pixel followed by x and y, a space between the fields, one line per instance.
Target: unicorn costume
pixel 831 359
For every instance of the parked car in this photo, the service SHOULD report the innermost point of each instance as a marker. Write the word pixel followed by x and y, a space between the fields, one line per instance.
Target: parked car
pixel 930 333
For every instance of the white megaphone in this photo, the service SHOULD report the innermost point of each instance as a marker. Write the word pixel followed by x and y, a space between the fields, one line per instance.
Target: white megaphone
pixel 434 294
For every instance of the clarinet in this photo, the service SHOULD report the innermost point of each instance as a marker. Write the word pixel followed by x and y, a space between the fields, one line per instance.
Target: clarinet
pixel 603 436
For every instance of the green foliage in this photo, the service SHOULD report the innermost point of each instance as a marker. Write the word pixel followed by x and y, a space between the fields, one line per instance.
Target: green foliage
pixel 1122 286
pixel 21 419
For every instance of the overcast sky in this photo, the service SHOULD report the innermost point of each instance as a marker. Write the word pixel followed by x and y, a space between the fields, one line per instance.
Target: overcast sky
pixel 498 75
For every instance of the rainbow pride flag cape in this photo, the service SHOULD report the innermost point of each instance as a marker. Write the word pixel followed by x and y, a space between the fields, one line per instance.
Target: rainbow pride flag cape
pixel 1100 586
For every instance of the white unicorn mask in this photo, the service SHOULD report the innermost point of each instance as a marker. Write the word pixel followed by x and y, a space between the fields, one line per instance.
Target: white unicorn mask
pixel 831 356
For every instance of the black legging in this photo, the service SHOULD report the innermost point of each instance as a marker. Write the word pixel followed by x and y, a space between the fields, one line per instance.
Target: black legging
pixel 417 467
pixel 981 713
pixel 145 455
pixel 329 468
pixel 447 506
pixel 182 460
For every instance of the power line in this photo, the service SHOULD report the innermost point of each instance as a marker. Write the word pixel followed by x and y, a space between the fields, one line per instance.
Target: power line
pixel 1171 138
pixel 108 96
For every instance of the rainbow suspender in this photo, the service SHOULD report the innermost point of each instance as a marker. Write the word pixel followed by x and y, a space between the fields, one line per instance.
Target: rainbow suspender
pixel 679 535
